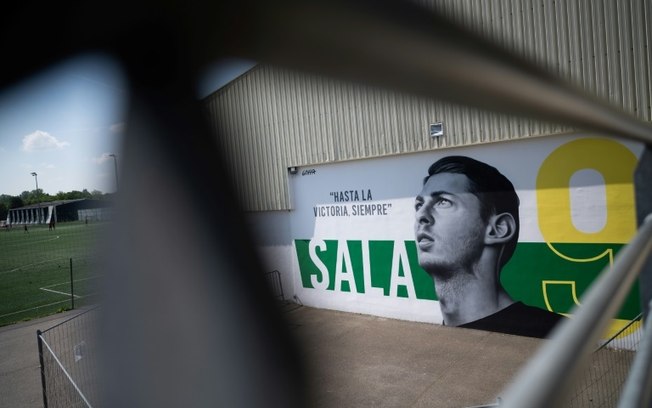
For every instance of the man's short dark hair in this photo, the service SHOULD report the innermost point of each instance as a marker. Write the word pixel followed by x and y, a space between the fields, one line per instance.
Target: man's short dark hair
pixel 495 192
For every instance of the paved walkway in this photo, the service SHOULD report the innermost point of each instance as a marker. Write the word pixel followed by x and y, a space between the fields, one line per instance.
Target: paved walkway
pixel 354 361
pixel 20 376
pixel 365 361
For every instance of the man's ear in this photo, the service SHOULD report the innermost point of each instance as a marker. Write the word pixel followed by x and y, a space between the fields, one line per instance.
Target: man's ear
pixel 500 229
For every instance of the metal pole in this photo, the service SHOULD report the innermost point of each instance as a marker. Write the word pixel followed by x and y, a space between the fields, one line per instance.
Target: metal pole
pixel 547 377
pixel 40 357
pixel 643 190
pixel 115 166
pixel 637 391
pixel 72 288
pixel 38 199
pixel 280 285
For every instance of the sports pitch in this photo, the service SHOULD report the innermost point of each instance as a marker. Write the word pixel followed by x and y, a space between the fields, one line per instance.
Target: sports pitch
pixel 35 269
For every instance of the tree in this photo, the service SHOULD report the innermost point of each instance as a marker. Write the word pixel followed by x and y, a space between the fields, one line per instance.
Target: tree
pixel 74 195
pixel 25 196
pixel 34 196
pixel 16 202
pixel 8 202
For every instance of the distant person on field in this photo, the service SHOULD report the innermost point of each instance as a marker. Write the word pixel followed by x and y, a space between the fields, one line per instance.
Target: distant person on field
pixel 466 229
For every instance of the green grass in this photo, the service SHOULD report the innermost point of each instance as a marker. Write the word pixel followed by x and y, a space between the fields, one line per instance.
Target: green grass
pixel 35 269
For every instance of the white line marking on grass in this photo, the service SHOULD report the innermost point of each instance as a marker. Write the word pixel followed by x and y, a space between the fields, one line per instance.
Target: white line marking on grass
pixel 46 240
pixel 74 280
pixel 58 292
pixel 31 242
pixel 28 265
pixel 34 308
pixel 47 288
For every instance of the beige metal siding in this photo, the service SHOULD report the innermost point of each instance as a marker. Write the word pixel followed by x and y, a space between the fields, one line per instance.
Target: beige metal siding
pixel 599 45
pixel 270 119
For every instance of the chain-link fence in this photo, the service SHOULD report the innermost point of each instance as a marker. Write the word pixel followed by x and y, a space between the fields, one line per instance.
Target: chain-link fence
pixel 44 271
pixel 47 287
pixel 69 360
pixel 603 381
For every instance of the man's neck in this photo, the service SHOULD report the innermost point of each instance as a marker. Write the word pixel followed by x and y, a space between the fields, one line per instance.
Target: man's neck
pixel 469 295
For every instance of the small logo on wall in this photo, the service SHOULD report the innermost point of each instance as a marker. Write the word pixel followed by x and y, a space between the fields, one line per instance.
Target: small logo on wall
pixel 308 172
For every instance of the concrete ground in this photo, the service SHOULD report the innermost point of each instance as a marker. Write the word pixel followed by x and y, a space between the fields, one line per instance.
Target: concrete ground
pixel 354 361
pixel 20 376
pixel 366 361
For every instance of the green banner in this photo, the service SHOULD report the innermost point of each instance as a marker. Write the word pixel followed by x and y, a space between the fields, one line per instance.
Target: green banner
pixel 548 276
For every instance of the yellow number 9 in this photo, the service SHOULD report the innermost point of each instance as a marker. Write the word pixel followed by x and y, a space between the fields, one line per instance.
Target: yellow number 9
pixel 615 162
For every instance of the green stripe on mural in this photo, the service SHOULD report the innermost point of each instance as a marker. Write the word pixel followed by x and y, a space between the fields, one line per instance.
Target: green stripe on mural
pixel 380 257
pixel 546 276
pixel 558 268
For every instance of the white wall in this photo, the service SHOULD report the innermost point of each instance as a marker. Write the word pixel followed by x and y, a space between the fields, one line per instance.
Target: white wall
pixel 271 230
pixel 575 191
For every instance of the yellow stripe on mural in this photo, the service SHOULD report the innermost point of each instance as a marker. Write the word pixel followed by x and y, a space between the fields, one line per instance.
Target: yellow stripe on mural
pixel 615 163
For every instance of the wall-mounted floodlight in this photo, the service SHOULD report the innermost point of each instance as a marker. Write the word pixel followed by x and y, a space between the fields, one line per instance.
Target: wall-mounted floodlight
pixel 437 129
pixel 293 170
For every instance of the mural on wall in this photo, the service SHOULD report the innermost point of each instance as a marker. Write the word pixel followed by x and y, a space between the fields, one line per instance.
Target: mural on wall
pixel 503 237
pixel 466 230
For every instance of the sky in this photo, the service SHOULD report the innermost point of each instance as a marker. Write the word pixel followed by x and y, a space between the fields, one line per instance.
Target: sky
pixel 65 123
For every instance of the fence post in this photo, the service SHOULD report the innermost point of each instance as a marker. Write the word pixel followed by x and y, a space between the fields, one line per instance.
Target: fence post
pixel 280 285
pixel 40 358
pixel 72 288
pixel 643 193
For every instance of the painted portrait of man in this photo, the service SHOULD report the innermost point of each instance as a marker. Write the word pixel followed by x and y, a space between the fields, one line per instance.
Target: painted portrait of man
pixel 466 229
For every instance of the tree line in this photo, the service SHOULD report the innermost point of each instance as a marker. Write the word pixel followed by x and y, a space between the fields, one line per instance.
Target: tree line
pixel 7 202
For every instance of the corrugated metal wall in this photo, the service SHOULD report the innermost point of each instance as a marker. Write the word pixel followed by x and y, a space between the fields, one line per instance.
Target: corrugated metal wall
pixel 270 119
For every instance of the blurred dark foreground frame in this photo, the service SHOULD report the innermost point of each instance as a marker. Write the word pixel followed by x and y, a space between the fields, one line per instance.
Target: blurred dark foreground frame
pixel 206 332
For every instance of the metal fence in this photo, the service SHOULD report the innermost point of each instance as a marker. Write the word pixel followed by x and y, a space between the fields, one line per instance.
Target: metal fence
pixel 601 383
pixel 69 359
pixel 548 378
pixel 45 287
pixel 276 287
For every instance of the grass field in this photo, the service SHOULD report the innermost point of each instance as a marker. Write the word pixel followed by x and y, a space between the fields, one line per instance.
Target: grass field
pixel 35 269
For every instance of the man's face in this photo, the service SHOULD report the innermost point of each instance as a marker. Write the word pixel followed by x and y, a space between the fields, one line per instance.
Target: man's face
pixel 448 227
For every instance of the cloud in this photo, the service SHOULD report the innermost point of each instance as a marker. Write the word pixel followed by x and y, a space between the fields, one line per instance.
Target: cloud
pixel 40 140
